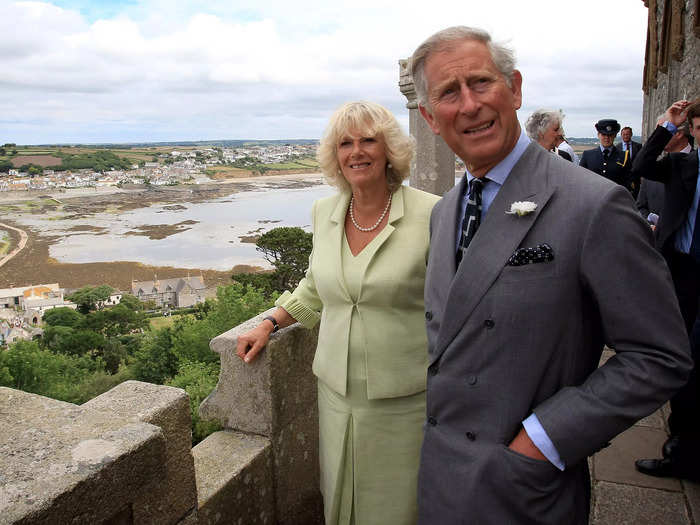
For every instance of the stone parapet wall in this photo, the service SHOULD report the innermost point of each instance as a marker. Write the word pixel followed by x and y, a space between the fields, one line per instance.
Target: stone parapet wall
pixel 62 463
pixel 125 457
pixel 275 397
pixel 169 409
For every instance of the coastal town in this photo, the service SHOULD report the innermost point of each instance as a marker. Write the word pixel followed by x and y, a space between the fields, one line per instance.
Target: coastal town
pixel 22 308
pixel 167 166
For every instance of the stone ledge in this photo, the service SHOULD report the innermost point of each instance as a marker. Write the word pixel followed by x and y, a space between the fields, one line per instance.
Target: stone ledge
pixel 264 396
pixel 234 479
pixel 168 408
pixel 60 463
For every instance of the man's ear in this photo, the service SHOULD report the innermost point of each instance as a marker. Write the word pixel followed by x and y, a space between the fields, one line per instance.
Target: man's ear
pixel 429 119
pixel 517 88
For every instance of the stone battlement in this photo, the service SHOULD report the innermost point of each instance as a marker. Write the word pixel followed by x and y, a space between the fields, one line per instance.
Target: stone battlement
pixel 124 457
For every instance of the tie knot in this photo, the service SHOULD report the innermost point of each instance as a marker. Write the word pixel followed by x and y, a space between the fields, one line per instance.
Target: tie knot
pixel 475 186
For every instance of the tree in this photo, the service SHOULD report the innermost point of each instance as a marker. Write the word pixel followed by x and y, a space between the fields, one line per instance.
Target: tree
pixel 62 316
pixel 6 166
pixel 89 298
pixel 113 353
pixel 155 361
pixel 115 321
pixel 198 380
pixel 25 366
pixel 132 302
pixel 288 250
pixel 70 341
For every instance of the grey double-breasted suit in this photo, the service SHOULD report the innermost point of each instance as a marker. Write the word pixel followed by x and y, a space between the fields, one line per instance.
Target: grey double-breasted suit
pixel 506 341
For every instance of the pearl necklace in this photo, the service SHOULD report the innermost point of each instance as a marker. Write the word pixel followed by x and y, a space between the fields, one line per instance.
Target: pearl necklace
pixel 379 220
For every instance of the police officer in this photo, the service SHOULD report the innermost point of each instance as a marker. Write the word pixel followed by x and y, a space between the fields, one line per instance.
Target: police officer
pixel 608 160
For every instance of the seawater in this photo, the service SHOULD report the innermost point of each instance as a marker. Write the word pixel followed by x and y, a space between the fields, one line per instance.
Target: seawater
pixel 213 242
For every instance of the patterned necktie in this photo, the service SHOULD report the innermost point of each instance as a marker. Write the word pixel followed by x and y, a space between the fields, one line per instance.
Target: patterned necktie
pixel 472 217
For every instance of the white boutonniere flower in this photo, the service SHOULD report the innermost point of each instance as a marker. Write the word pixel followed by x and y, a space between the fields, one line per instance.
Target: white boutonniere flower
pixel 521 208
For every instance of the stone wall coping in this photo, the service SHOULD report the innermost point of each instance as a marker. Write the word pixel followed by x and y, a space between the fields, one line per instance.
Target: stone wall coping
pixel 63 463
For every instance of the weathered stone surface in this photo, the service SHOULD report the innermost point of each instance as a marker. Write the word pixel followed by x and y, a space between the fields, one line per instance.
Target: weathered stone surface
pixel 692 495
pixel 265 395
pixel 616 462
pixel 234 479
pixel 296 471
pixel 60 463
pixel 433 167
pixel 168 408
pixel 275 396
pixel 627 505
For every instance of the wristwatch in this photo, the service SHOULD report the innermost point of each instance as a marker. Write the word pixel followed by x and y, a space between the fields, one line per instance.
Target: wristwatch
pixel 275 325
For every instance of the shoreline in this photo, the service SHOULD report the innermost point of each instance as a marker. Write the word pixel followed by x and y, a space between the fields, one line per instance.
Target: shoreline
pixel 33 264
pixel 9 197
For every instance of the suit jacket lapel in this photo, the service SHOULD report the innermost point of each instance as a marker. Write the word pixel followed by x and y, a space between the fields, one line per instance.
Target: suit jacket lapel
pixel 396 212
pixel 337 234
pixel 690 174
pixel 497 238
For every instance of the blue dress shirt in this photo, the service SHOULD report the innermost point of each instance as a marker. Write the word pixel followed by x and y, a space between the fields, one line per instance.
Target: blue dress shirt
pixel 684 235
pixel 493 180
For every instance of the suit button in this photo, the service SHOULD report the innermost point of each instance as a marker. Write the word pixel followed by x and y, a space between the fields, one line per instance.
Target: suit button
pixel 471 436
pixel 432 421
pixel 489 323
pixel 429 315
pixel 471 380
pixel 433 369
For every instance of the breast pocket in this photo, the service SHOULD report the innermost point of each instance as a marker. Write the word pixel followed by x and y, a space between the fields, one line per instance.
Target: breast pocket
pixel 528 272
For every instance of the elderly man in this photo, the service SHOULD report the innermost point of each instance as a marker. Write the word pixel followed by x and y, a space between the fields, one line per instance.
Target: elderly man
pixel 535 265
pixel 607 159
pixel 678 239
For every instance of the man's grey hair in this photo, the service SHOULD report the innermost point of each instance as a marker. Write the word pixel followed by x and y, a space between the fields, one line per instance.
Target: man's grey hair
pixel 541 120
pixel 503 56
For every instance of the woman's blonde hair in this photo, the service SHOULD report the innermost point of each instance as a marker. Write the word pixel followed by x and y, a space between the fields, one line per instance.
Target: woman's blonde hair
pixel 369 120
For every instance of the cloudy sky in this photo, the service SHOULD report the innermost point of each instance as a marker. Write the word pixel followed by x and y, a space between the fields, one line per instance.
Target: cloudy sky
pixel 94 71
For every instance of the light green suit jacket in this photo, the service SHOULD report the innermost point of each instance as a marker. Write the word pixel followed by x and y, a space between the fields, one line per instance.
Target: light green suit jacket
pixel 390 304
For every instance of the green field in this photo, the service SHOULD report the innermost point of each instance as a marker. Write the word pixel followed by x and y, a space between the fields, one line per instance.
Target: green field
pixel 161 322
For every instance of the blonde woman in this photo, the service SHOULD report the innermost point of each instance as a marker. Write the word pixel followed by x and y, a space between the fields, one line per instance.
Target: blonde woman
pixel 365 286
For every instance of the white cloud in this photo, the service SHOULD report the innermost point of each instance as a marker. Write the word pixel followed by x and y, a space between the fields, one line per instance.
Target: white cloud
pixel 178 70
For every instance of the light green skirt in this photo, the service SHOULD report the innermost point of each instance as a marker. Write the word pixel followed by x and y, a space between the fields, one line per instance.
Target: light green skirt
pixel 369 453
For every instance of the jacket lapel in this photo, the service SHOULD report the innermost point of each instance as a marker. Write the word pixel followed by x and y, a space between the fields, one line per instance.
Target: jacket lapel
pixel 497 238
pixel 395 213
pixel 690 174
pixel 337 231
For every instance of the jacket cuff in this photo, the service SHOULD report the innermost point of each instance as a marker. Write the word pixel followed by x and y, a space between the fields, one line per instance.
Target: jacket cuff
pixel 298 310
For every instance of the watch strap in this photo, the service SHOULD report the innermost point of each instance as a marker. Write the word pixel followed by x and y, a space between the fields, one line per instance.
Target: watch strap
pixel 275 325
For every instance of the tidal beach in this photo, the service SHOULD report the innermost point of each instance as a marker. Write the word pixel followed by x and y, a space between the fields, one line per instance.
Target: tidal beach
pixel 136 233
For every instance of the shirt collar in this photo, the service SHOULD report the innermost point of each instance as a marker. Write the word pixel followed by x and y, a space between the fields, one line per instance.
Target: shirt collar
pixel 499 173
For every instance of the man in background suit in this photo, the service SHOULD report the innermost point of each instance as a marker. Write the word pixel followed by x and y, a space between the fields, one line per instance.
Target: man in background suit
pixel 678 239
pixel 650 199
pixel 630 148
pixel 534 265
pixel 607 159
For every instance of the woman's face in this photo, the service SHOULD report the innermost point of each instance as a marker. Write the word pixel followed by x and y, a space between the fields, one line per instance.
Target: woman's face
pixel 362 159
pixel 549 137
